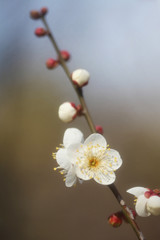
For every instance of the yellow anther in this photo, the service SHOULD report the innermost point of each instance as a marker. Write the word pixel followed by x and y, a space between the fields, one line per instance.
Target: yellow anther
pixel 64 179
pixel 54 155
pixel 57 148
pixel 55 169
pixel 61 172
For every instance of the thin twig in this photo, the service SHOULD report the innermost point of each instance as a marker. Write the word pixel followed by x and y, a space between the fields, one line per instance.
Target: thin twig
pixel 77 89
pixel 127 212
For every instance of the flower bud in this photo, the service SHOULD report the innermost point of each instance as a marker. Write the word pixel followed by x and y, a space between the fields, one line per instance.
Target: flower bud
pixel 99 129
pixel 115 220
pixel 80 77
pixel 67 111
pixel 40 32
pixel 51 63
pixel 65 55
pixel 44 11
pixel 35 14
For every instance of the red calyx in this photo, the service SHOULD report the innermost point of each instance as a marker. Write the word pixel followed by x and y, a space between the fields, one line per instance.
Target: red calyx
pixel 73 105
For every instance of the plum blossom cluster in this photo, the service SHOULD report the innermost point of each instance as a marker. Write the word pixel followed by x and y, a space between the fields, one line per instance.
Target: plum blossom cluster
pixel 147 201
pixel 85 160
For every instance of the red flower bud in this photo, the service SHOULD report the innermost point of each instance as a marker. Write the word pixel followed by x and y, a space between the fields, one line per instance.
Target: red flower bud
pixel 35 14
pixel 44 11
pixel 99 129
pixel 115 220
pixel 40 32
pixel 65 55
pixel 51 63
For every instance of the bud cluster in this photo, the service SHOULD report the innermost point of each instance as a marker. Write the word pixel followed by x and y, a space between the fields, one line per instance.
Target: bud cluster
pixel 34 14
pixel 53 63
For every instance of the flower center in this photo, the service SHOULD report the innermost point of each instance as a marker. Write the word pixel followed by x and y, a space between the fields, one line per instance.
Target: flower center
pixel 93 162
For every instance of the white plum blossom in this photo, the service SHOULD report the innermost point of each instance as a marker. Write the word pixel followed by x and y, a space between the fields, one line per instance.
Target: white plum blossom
pixel 91 159
pixel 95 160
pixel 67 111
pixel 147 202
pixel 80 77
pixel 71 136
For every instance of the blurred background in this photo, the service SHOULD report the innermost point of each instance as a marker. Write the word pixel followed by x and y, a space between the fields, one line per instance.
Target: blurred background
pixel 118 42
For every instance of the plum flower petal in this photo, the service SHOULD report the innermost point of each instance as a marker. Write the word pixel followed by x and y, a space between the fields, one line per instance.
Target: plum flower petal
pixel 72 136
pixel 141 206
pixel 96 139
pixel 137 191
pixel 153 205
pixel 105 179
pixel 71 177
pixel 114 159
pixel 62 159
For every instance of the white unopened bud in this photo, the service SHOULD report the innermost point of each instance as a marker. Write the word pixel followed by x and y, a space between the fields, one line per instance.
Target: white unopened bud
pixel 80 77
pixel 67 111
pixel 153 205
